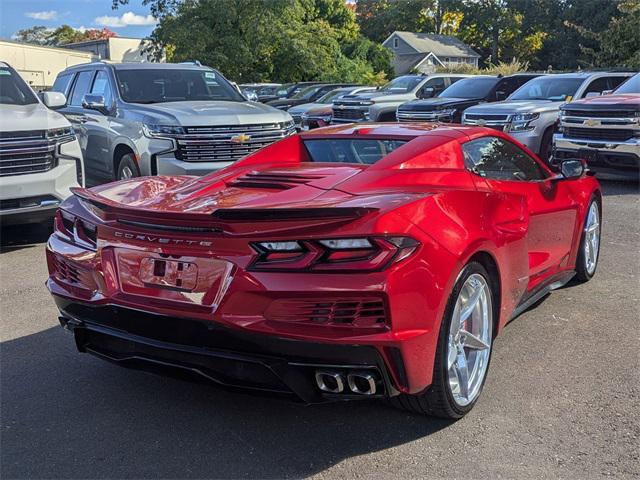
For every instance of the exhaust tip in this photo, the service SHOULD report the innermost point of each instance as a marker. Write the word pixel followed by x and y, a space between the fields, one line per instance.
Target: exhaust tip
pixel 332 382
pixel 362 383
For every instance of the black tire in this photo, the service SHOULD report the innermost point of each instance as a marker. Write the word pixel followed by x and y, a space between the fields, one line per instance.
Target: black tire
pixel 582 273
pixel 546 146
pixel 127 164
pixel 437 400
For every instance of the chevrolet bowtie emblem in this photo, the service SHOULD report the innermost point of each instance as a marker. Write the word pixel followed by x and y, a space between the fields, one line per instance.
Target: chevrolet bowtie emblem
pixel 590 122
pixel 241 138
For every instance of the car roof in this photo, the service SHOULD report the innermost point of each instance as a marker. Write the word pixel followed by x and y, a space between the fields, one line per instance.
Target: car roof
pixel 142 66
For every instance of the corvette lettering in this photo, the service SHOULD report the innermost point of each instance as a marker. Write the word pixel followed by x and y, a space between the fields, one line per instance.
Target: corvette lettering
pixel 161 240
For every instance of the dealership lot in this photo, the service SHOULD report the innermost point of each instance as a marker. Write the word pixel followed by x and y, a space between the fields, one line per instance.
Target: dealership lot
pixel 562 397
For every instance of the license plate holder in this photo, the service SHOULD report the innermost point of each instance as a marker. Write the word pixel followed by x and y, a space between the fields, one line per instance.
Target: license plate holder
pixel 589 154
pixel 167 273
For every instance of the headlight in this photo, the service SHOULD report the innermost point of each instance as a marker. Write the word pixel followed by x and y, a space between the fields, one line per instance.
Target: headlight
pixel 289 126
pixel 521 122
pixel 155 131
pixel 61 135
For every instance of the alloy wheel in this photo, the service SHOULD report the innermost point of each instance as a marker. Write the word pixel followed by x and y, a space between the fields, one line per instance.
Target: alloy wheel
pixel 592 238
pixel 126 173
pixel 469 345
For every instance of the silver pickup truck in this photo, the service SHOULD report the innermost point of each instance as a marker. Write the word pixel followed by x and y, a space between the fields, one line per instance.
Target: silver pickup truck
pixel 381 105
pixel 530 114
pixel 162 119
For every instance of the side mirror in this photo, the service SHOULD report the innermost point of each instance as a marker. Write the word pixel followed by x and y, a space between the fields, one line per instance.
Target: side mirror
pixel 251 95
pixel 95 102
pixel 427 92
pixel 501 95
pixel 53 100
pixel 592 94
pixel 572 168
pixel 607 92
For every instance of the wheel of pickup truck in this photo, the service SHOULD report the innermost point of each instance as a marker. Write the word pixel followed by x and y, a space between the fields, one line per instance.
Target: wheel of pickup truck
pixel 127 167
pixel 546 145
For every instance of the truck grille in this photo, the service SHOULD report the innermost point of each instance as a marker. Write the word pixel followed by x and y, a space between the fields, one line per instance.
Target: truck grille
pixel 571 112
pixel 348 114
pixel 26 152
pixel 598 134
pixel 227 144
pixel 413 116
pixel 486 117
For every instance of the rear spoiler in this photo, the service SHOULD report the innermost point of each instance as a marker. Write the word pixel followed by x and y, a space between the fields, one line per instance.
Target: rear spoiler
pixel 283 214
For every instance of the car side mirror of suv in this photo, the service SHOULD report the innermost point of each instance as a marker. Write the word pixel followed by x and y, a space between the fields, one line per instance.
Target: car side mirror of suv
pixel 428 92
pixel 94 102
pixel 501 95
pixel 572 168
pixel 53 100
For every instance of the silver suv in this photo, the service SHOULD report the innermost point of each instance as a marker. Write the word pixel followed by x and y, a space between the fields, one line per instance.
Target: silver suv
pixel 162 119
pixel 381 105
pixel 530 114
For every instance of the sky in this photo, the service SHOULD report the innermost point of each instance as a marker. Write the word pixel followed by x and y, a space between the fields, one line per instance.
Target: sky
pixel 131 20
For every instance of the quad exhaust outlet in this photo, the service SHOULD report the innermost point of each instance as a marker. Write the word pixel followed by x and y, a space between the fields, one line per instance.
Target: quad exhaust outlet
pixel 359 382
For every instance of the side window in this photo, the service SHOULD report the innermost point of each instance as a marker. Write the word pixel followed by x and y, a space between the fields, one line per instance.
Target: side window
pixel 508 86
pixel 62 83
pixel 81 88
pixel 598 85
pixel 493 157
pixel 438 84
pixel 101 86
pixel 615 82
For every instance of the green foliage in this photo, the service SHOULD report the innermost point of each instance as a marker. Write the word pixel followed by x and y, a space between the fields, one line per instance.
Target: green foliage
pixel 41 35
pixel 620 44
pixel 277 40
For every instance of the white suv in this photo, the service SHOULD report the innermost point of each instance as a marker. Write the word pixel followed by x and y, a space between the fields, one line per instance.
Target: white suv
pixel 40 158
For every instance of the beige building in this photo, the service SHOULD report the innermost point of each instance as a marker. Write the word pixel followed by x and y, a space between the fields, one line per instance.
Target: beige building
pixel 115 49
pixel 39 65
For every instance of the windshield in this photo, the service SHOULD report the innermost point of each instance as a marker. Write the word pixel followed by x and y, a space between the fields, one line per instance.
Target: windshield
pixel 165 85
pixel 329 97
pixel 367 151
pixel 403 84
pixel 470 88
pixel 306 92
pixel 630 86
pixel 548 88
pixel 14 90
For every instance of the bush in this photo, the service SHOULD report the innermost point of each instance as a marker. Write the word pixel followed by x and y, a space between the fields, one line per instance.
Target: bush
pixel 502 68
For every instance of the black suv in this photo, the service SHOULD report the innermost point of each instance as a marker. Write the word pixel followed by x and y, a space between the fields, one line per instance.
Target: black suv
pixel 449 105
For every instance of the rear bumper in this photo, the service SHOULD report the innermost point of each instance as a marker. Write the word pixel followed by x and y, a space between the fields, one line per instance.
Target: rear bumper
pixel 217 354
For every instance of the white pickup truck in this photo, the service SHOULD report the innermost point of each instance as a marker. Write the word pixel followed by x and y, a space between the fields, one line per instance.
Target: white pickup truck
pixel 40 157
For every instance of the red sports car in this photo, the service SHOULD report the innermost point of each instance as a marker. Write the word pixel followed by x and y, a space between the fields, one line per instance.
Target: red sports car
pixel 347 262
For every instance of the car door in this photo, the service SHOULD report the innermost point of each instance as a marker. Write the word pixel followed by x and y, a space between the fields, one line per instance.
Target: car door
pixel 504 167
pixel 99 126
pixel 87 126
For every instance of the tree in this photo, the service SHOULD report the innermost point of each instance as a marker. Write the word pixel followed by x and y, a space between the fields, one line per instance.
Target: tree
pixel 620 45
pixel 38 35
pixel 280 40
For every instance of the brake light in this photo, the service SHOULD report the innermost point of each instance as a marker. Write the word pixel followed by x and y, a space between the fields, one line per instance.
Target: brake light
pixel 76 229
pixel 339 254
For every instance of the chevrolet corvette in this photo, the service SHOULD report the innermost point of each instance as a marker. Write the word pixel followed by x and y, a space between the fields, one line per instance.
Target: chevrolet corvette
pixel 356 261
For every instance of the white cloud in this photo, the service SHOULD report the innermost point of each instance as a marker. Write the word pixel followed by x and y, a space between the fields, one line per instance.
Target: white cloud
pixel 125 20
pixel 46 15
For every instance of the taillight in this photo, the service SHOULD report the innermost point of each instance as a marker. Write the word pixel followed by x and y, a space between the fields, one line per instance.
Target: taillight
pixel 335 254
pixel 76 229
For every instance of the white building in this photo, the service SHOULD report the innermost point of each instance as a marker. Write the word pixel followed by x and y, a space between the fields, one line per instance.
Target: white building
pixel 114 49
pixel 424 52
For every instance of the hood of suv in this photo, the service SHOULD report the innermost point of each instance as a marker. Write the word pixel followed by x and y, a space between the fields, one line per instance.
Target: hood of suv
pixel 36 116
pixel 623 100
pixel 377 97
pixel 190 114
pixel 433 104
pixel 516 106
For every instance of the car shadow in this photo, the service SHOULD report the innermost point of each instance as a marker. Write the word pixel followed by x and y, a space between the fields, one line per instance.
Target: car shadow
pixel 70 415
pixel 16 237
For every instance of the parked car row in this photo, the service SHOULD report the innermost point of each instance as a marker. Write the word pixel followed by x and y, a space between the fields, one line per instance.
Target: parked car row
pixel 125 120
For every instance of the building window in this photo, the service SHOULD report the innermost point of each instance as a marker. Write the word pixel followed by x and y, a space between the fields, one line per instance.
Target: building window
pixel 447 60
pixel 395 42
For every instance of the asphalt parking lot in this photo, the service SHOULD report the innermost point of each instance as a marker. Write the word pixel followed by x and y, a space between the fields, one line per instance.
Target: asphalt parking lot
pixel 562 398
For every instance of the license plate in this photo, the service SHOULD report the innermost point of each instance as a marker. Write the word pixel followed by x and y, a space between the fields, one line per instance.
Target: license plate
pixel 590 155
pixel 169 273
